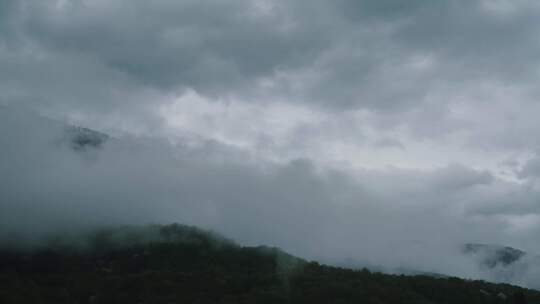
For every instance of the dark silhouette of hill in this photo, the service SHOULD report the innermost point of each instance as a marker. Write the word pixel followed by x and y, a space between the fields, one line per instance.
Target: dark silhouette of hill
pixel 81 138
pixel 182 264
pixel 493 255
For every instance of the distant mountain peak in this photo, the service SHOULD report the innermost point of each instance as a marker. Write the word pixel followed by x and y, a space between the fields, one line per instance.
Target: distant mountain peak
pixel 492 255
pixel 81 138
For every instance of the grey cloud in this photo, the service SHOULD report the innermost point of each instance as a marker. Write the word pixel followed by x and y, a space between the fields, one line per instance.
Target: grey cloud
pixel 409 65
pixel 224 49
pixel 456 176
pixel 209 46
pixel 480 38
pixel 389 143
pixel 531 169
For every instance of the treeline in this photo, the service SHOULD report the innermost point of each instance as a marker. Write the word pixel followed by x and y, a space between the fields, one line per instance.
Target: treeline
pixel 181 264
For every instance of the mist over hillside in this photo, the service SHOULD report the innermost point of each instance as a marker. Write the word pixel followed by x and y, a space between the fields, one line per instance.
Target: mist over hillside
pixel 65 178
pixel 178 263
pixel 396 136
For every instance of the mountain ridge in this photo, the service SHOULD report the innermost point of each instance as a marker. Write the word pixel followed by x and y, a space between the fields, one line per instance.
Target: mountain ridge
pixel 184 264
pixel 493 255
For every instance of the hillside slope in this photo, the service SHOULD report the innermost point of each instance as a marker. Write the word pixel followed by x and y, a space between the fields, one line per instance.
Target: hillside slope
pixel 181 264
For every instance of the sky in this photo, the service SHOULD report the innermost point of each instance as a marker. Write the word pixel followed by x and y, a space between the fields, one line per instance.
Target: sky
pixel 383 132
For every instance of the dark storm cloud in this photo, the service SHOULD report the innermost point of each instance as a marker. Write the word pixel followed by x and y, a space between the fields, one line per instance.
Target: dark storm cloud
pixel 211 46
pixel 344 54
pixel 478 37
pixel 409 65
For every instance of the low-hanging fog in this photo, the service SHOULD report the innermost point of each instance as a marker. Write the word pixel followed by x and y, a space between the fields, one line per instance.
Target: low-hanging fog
pixel 388 219
pixel 357 133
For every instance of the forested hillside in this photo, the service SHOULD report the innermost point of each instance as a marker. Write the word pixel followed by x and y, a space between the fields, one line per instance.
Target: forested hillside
pixel 181 264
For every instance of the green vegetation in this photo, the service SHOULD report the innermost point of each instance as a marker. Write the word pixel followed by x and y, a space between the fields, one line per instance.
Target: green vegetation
pixel 180 264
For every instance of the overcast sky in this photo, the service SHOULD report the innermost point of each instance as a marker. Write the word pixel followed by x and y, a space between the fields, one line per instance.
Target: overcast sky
pixel 318 126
